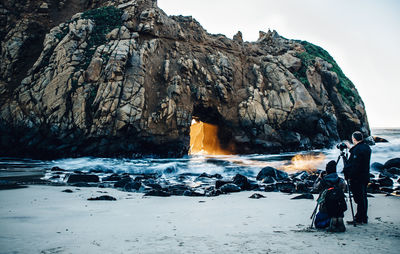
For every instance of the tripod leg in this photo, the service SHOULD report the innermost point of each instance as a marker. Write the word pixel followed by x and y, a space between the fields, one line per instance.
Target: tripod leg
pixel 351 204
pixel 313 216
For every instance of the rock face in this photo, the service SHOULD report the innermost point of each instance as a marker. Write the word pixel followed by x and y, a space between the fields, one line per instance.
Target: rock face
pixel 127 79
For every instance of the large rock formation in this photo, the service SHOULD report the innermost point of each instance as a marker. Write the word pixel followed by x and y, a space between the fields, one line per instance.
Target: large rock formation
pixel 127 79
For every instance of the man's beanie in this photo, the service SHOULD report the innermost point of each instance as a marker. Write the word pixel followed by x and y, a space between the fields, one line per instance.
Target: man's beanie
pixel 331 167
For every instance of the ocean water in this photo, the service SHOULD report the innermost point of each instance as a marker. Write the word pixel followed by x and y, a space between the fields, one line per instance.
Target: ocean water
pixel 226 165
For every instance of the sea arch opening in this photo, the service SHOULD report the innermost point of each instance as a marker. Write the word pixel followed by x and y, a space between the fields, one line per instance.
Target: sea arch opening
pixel 209 135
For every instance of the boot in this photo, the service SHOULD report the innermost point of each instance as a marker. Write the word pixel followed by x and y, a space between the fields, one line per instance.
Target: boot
pixel 340 225
pixel 332 225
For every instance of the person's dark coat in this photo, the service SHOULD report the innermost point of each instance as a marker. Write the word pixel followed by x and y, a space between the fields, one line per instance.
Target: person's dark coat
pixel 356 167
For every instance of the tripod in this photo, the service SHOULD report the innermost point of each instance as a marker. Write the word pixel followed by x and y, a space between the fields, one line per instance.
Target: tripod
pixel 343 155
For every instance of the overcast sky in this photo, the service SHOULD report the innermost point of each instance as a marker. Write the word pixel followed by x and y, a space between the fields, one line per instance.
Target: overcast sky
pixel 363 36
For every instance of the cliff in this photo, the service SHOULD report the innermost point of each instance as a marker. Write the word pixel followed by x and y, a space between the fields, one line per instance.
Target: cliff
pixel 126 79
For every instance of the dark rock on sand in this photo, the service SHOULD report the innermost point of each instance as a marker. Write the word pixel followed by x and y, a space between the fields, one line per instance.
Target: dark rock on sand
pixel 393 163
pixel 67 191
pixel 242 182
pixel 220 183
pixel 103 197
pixel 158 193
pixel 270 187
pixel 6 185
pixel 287 187
pixel 214 193
pixel 178 189
pixel 131 186
pixel 272 172
pixel 385 173
pixel 304 196
pixel 80 178
pixel 194 193
pixel 394 171
pixel 377 166
pixel 113 177
pixel 302 187
pixel 386 189
pixel 121 183
pixel 379 140
pixel 205 175
pixel 257 196
pixel 268 179
pixel 302 175
pixel 373 187
pixel 153 184
pixel 57 169
pixel 230 187
pixel 314 176
pixel 385 181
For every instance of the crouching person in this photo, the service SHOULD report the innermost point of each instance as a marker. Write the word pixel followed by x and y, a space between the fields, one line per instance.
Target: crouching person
pixel 332 203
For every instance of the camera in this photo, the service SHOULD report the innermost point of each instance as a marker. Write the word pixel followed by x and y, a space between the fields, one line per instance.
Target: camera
pixel 341 146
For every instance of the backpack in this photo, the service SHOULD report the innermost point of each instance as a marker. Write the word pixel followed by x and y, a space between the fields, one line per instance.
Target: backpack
pixel 334 201
pixel 322 220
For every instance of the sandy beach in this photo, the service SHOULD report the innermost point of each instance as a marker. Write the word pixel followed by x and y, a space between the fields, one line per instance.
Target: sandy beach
pixel 43 219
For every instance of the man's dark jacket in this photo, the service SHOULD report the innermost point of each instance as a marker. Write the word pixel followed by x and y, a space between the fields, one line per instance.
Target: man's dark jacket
pixel 357 165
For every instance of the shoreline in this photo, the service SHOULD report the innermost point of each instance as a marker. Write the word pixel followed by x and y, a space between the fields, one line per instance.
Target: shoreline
pixel 43 219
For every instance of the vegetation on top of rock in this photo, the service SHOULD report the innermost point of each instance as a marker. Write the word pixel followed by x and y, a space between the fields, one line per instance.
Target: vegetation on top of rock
pixel 106 19
pixel 345 87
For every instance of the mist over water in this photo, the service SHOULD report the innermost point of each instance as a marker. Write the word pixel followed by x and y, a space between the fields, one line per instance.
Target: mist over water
pixel 226 165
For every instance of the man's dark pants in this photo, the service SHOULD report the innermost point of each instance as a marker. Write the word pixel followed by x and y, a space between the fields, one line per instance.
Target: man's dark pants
pixel 359 191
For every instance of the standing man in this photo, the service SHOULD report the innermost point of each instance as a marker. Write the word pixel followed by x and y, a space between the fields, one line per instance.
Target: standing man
pixel 356 169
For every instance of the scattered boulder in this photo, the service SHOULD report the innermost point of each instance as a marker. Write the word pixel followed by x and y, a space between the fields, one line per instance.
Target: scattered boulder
pixel 111 178
pixel 121 183
pixel 194 193
pixel 6 185
pixel 230 187
pixel 304 196
pixel 272 172
pixel 57 169
pixel 394 171
pixel 287 187
pixel 242 182
pixel 385 173
pixel 220 183
pixel 204 174
pixel 301 187
pixel 67 191
pixel 379 139
pixel 377 166
pixel 257 196
pixel 132 186
pixel 103 197
pixel 386 189
pixel 393 163
pixel 178 189
pixel 302 175
pixel 158 193
pixel 81 178
pixel 270 187
pixel 268 179
pixel 373 187
pixel 385 181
